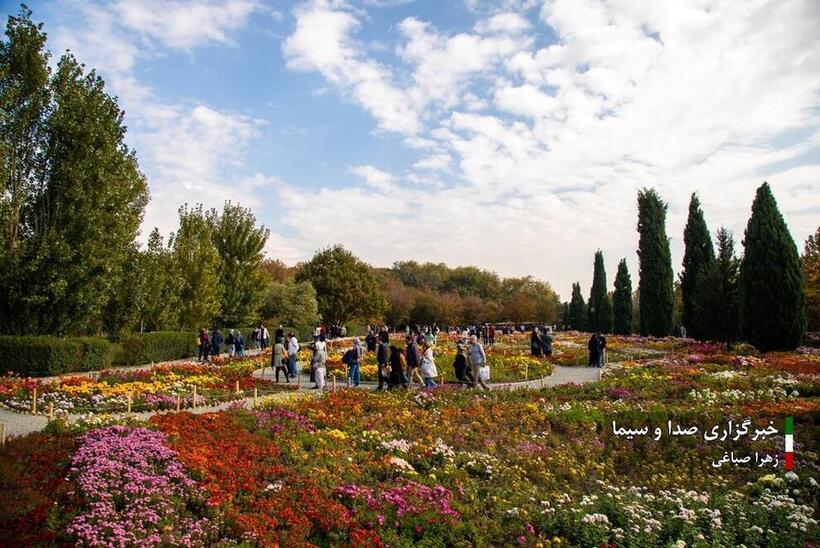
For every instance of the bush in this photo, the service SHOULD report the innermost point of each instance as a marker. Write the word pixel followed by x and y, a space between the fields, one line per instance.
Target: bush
pixel 38 356
pixel 157 346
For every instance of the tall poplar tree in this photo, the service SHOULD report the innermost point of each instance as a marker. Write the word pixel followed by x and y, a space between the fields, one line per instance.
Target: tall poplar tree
pixel 772 310
pixel 599 304
pixel 655 284
pixel 622 301
pixel 698 255
pixel 197 263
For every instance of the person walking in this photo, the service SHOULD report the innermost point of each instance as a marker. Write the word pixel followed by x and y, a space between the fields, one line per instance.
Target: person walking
pixel 381 363
pixel 546 344
pixel 293 350
pixel 428 366
pixel 594 350
pixel 398 369
pixel 230 342
pixel 411 356
pixel 240 344
pixel 216 342
pixel 255 338
pixel 535 342
pixel 318 362
pixel 491 334
pixel 478 359
pixel 462 370
pixel 353 357
pixel 278 359
pixel 601 350
pixel 370 341
pixel 264 337
pixel 204 342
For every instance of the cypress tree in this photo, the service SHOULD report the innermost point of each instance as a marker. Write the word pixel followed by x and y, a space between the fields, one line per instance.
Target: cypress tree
pixel 622 301
pixel 772 310
pixel 698 255
pixel 811 278
pixel 600 313
pixel 717 302
pixel 577 309
pixel 655 284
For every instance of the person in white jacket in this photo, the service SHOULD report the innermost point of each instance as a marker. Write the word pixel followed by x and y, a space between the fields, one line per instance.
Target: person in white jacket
pixel 428 366
pixel 293 350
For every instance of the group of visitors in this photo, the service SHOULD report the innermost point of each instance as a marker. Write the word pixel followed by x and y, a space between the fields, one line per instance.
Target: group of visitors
pixel 597 350
pixel 214 344
pixel 283 356
pixel 540 342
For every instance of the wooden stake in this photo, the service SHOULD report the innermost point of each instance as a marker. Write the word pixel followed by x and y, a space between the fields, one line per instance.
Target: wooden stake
pixel 128 407
pixel 334 382
pixel 237 386
pixel 298 380
pixel 526 371
pixel 193 403
pixel 34 403
pixel 179 402
pixel 50 411
pixel 2 434
pixel 255 396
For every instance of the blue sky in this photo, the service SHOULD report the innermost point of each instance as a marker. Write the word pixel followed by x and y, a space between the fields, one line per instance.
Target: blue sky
pixel 511 134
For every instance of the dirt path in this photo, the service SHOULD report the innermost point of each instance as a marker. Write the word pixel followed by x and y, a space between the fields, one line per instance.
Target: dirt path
pixel 18 424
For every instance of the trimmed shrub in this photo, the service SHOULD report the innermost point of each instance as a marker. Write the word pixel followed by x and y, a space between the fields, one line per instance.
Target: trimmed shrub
pixel 157 346
pixel 39 356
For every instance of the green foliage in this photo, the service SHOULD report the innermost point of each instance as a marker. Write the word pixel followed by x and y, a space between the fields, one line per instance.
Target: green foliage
pixel 160 285
pixel 239 243
pixel 39 356
pixel 771 280
pixel 577 309
pixel 811 278
pixel 345 286
pixel 292 304
pixel 717 293
pixel 698 256
pixel 622 301
pixel 600 307
pixel 655 284
pixel 196 262
pixel 159 346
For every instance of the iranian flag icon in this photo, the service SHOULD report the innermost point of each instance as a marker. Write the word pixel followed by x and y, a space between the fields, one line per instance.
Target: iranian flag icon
pixel 789 432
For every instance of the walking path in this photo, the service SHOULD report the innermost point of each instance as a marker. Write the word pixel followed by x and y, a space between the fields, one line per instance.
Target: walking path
pixel 18 424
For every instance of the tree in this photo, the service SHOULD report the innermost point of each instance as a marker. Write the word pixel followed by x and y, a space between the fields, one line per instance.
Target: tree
pixel 698 255
pixel 655 278
pixel 717 302
pixel 772 310
pixel 811 278
pixel 239 243
pixel 291 304
pixel 86 213
pixel 599 311
pixel 161 289
pixel 622 300
pixel 577 309
pixel 345 286
pixel 197 263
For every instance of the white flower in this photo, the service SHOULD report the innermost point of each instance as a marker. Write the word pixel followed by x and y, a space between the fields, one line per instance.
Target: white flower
pixel 791 476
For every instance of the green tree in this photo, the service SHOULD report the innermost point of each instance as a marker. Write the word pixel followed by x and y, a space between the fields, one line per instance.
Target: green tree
pixel 811 278
pixel 345 286
pixel 239 243
pixel 772 310
pixel 622 300
pixel 197 263
pixel 698 255
pixel 162 286
pixel 655 278
pixel 600 311
pixel 577 309
pixel 291 304
pixel 84 218
pixel 717 302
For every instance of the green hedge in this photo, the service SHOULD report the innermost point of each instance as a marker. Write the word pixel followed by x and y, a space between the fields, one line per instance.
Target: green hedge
pixel 157 346
pixel 39 356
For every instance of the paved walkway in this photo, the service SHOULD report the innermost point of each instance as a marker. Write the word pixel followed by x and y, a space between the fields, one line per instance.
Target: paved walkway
pixel 18 424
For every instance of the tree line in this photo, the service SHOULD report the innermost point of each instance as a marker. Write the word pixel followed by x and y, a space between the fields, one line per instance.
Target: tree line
pixel 766 297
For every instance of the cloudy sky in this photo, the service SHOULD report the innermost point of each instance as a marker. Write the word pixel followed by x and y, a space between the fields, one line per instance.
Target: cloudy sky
pixel 512 135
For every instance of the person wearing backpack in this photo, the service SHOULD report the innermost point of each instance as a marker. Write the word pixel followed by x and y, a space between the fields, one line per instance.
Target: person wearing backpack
pixel 293 349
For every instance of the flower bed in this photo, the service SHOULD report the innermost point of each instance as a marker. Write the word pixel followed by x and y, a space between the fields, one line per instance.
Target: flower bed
pixel 162 386
pixel 458 467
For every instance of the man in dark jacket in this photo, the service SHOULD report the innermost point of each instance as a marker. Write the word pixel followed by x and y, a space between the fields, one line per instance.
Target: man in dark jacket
pixel 381 359
pixel 216 342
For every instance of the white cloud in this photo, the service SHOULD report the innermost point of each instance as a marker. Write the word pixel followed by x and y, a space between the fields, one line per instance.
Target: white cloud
pixel 511 23
pixel 376 178
pixel 434 162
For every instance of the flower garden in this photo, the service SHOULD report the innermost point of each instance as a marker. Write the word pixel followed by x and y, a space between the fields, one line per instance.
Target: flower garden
pixel 448 466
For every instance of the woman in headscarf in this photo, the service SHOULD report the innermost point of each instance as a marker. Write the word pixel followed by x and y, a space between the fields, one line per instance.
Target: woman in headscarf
pixel 462 369
pixel 398 368
pixel 535 342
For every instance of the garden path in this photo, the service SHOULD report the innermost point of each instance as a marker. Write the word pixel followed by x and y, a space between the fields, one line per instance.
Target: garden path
pixel 18 424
